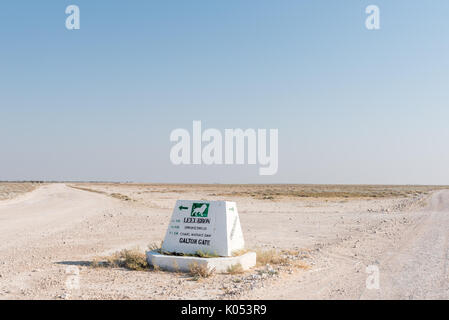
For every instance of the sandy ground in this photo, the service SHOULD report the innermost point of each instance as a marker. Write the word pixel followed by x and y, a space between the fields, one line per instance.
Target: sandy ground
pixel 49 236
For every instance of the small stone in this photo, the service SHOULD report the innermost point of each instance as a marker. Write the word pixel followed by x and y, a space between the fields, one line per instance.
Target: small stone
pixel 64 296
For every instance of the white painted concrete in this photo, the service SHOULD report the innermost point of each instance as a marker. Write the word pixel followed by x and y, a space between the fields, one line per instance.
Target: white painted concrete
pixel 183 263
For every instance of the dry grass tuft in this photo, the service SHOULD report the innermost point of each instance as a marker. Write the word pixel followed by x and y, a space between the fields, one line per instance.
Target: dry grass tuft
pixel 134 260
pixel 300 265
pixel 205 254
pixel 202 254
pixel 291 259
pixel 235 269
pixel 270 257
pixel 128 259
pixel 198 271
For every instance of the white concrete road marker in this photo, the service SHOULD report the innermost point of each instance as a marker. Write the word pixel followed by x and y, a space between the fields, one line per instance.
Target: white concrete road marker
pixel 210 227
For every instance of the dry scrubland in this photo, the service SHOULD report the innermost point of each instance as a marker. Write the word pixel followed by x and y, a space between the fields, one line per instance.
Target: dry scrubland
pixel 10 190
pixel 313 241
pixel 268 192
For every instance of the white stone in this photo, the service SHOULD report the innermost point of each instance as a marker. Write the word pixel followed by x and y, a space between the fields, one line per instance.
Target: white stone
pixel 183 263
pixel 211 227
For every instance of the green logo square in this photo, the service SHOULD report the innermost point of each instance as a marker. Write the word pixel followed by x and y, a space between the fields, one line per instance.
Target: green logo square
pixel 200 210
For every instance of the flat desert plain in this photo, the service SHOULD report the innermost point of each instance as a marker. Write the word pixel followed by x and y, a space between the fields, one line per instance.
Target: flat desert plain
pixel 313 241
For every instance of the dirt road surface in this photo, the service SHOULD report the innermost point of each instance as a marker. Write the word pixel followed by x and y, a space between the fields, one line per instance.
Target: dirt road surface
pixel 49 236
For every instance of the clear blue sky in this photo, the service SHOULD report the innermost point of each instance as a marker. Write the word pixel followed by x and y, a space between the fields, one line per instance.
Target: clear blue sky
pixel 351 105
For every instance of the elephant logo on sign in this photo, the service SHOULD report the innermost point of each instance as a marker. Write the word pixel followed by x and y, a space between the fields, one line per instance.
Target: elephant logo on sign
pixel 200 210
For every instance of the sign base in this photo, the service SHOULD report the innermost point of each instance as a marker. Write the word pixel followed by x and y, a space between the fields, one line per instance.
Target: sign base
pixel 183 263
